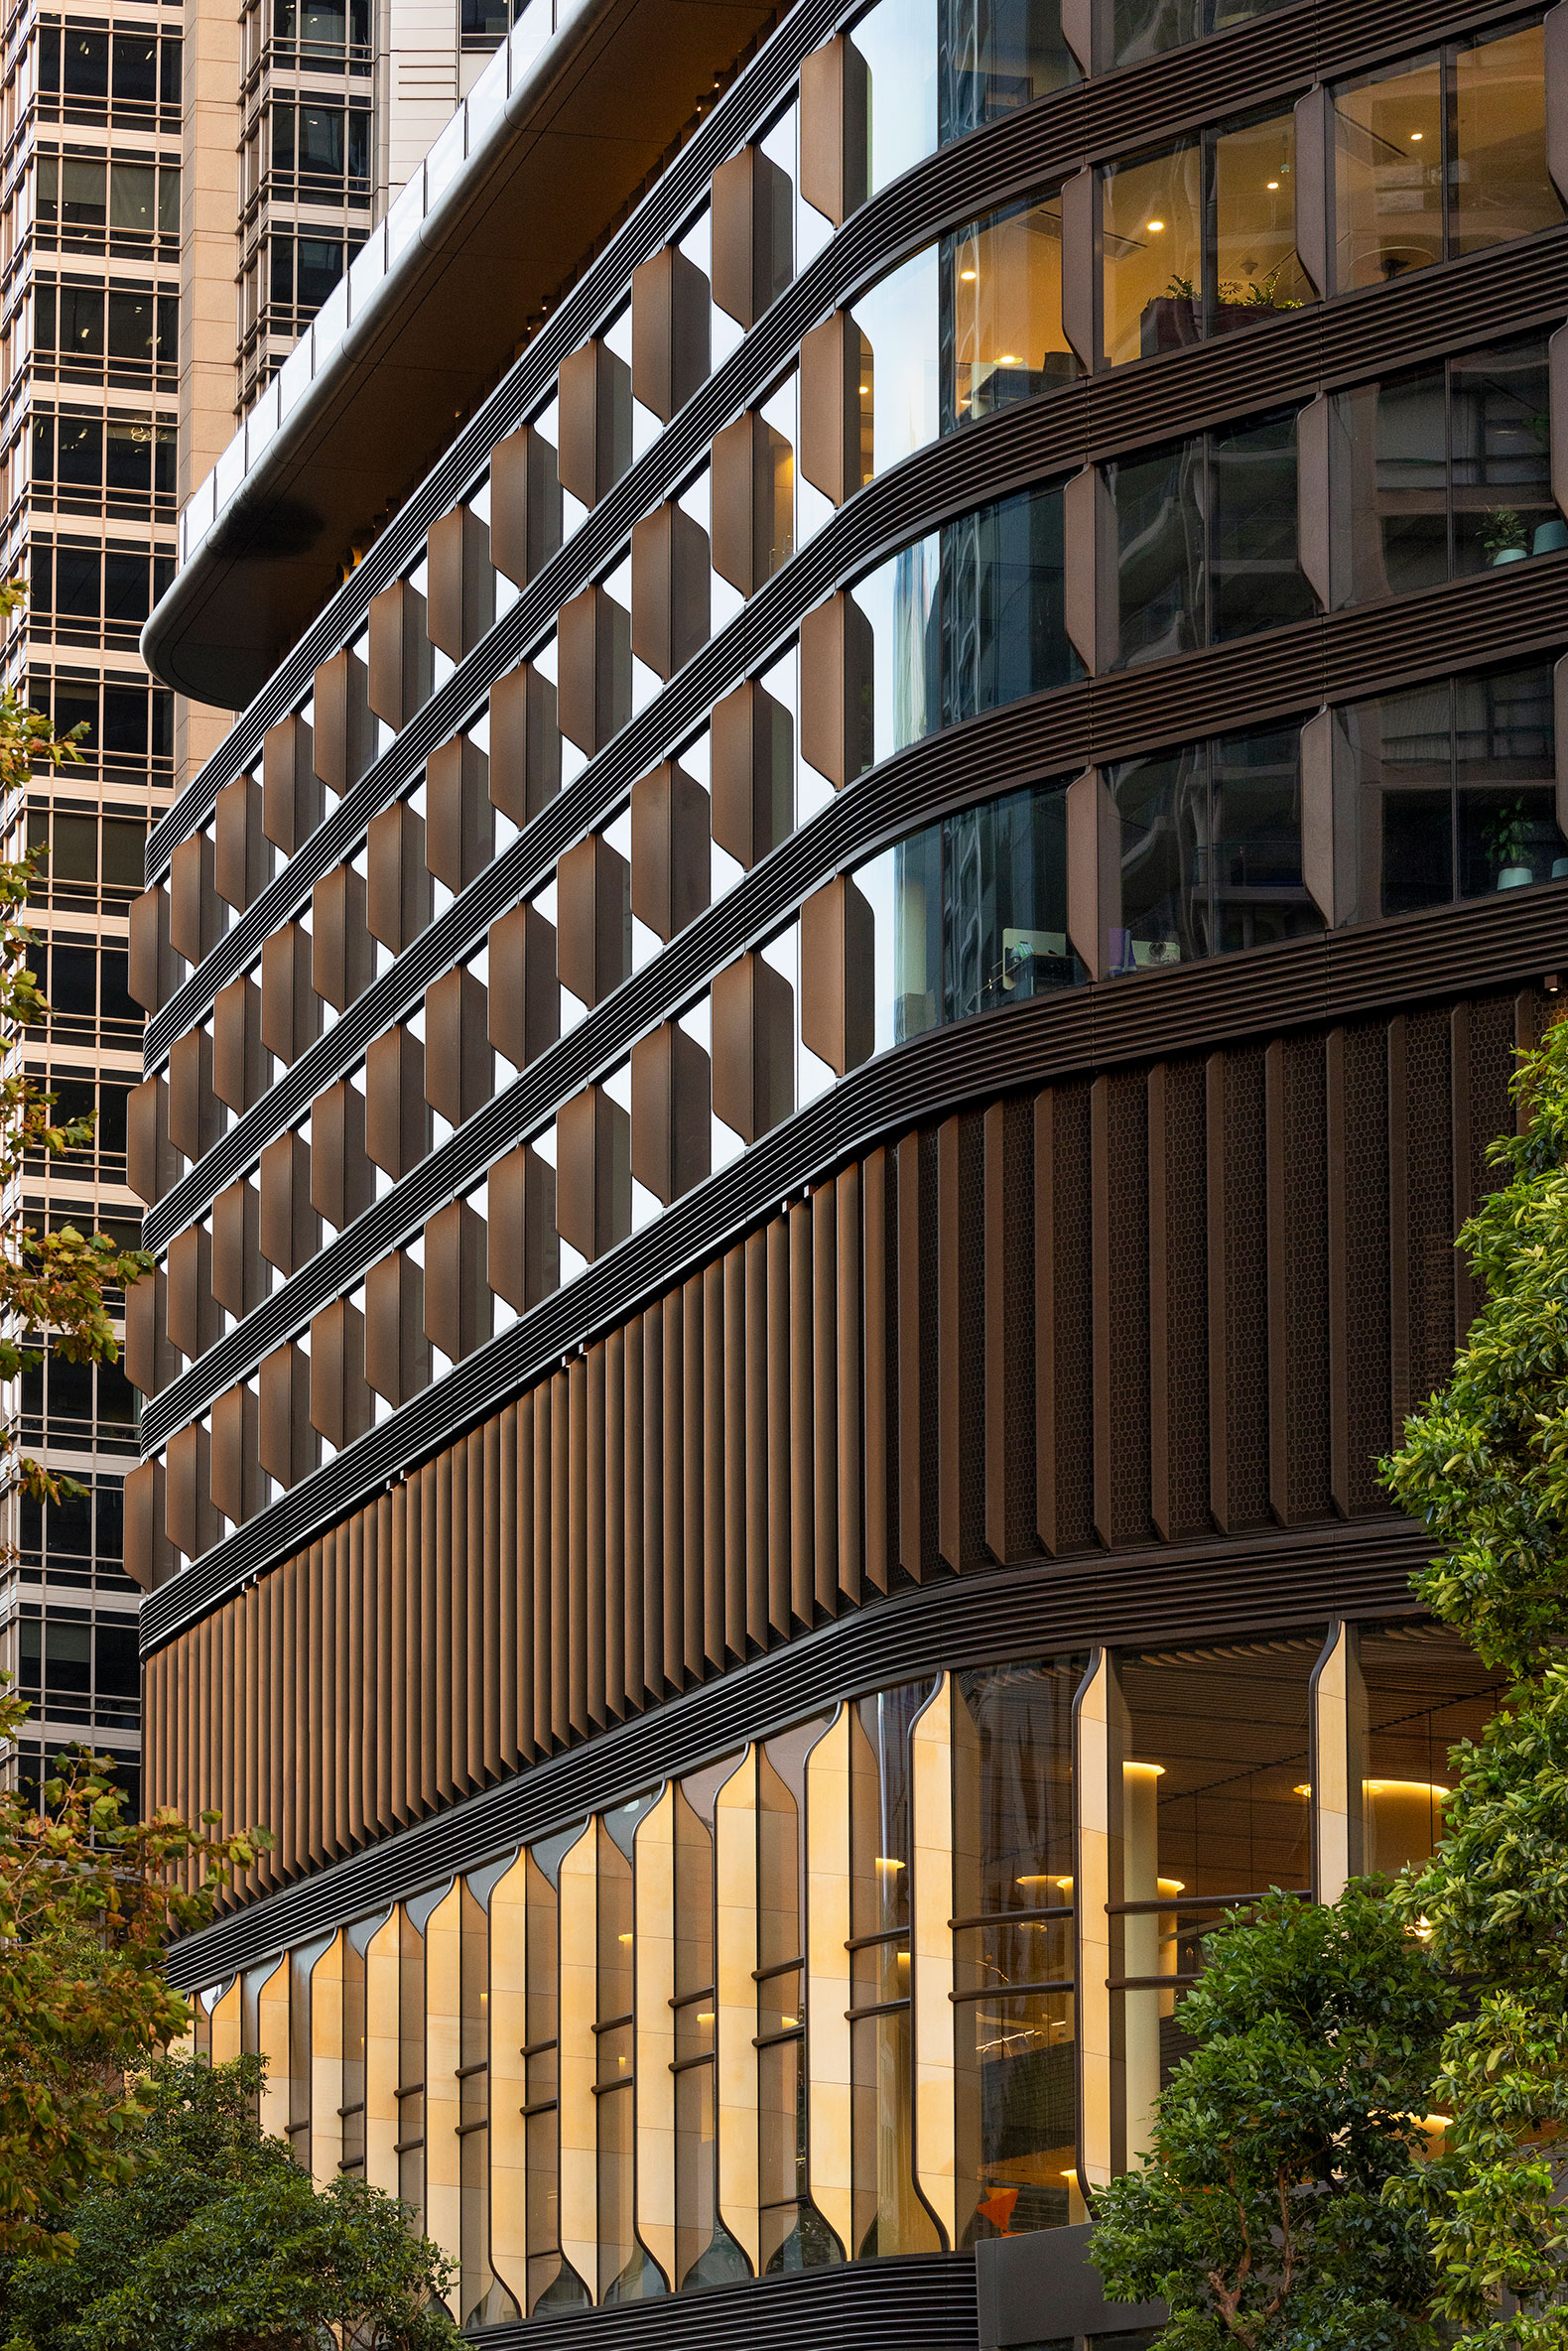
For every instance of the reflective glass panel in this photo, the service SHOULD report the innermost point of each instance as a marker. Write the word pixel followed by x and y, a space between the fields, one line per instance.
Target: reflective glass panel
pixel 1017 2117
pixel 1151 228
pixel 1001 313
pixel 897 319
pixel 1502 186
pixel 995 56
pixel 1389 174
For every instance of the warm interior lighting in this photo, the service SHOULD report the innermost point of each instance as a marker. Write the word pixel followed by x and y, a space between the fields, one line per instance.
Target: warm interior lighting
pixel 1272 183
pixel 1155 226
pixel 864 389
pixel 788 2020
pixel 886 1861
pixel 1418 136
pixel 1404 1787
pixel 1302 1788
pixel 1008 359
pixel 1154 1771
pixel 1170 1885
pixel 705 2015
pixel 1038 1878
pixel 969 276
pixel 624 1938
pixel 1066 1884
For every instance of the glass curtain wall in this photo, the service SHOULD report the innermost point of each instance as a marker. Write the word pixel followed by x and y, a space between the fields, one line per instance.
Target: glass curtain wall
pixel 1448 791
pixel 1012 1840
pixel 967 916
pixel 962 621
pixel 627 2273
pixel 1206 539
pixel 1127 30
pixel 1442 155
pixel 1200 239
pixel 1215 1810
pixel 704 2252
pixel 935 69
pixel 1443 471
pixel 794 2235
pixel 1211 850
pixel 553 2282
pixel 889 2213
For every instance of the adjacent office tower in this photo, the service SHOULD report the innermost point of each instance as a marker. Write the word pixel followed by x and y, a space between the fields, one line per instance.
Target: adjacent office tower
pixel 812 1056
pixel 139 327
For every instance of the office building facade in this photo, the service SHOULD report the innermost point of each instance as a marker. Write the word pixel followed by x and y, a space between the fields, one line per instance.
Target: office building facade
pixel 812 1057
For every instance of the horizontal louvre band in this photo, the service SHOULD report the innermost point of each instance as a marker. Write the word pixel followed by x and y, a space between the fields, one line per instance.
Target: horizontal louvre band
pixel 1276 1579
pixel 1508 939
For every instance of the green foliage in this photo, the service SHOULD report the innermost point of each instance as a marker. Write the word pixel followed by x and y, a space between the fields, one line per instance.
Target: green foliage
pixel 216 2241
pixel 1485 1465
pixel 1262 2216
pixel 88 1903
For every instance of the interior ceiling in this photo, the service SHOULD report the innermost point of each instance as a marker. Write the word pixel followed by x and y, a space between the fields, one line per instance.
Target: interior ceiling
pixel 628 78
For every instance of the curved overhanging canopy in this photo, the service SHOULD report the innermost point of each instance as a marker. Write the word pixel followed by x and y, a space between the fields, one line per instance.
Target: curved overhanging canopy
pixel 582 129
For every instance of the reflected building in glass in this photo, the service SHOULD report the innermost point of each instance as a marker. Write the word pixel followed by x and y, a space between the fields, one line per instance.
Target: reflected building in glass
pixel 812 1054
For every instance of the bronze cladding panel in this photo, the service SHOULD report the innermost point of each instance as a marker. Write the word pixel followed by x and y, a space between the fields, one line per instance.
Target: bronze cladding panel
pixel 752 763
pixel 524 1251
pixel 343 959
pixel 290 790
pixel 397 1116
pixel 525 504
pixel 398 899
pixel 241 862
pixel 753 1045
pixel 460 581
pixel 287 1227
pixel 836 716
pixel 593 919
pixel 239 1070
pixel 671 861
pixel 524 1007
pixel 671 1112
pixel 150 960
pixel 459 1069
pixel 593 1172
pixel 838 952
pixel 459 822
pixel 670 343
pixel 192 906
pixel 342 1183
pixel 236 1247
pixel 671 590
pixel 525 744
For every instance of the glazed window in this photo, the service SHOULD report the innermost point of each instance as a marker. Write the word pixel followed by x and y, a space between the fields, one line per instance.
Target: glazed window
pixel 1441 155
pixel 1419 1691
pixel 1012 1770
pixel 970 324
pixel 968 916
pixel 794 2235
pixel 706 2253
pixel 1127 30
pixel 962 621
pixel 930 71
pixel 553 2282
pixel 1211 850
pixel 1206 539
pixel 1454 791
pixel 625 2271
pixel 1200 239
pixel 1214 1801
pixel 1441 472
pixel 889 2214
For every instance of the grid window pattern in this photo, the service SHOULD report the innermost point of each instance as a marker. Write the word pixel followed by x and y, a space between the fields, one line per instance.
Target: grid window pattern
pixel 86 594
pixel 86 462
pixel 125 77
pixel 108 204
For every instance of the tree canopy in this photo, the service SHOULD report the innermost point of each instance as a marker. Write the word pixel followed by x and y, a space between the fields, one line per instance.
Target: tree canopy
pixel 216 2240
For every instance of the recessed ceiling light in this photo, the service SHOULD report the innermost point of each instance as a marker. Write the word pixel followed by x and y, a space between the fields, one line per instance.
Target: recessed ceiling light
pixel 1155 226
pixel 1273 184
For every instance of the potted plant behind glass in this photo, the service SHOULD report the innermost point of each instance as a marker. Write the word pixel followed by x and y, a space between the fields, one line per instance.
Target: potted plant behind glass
pixel 1504 536
pixel 1508 842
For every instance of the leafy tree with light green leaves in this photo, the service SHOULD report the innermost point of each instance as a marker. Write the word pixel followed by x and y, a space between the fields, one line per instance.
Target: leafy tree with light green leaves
pixel 1262 2216
pixel 88 1901
pixel 1476 2250
pixel 216 2240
